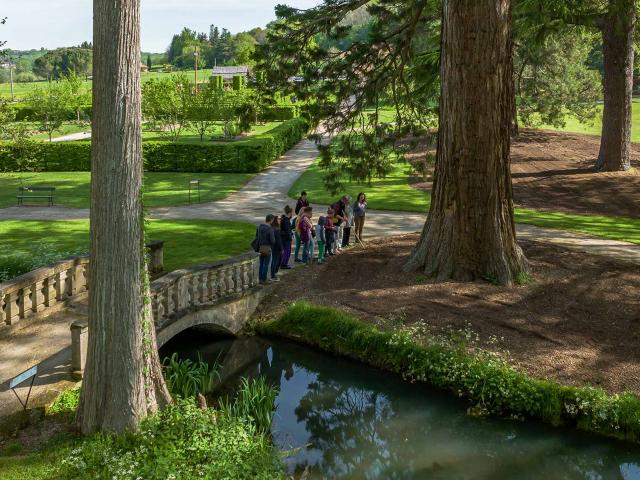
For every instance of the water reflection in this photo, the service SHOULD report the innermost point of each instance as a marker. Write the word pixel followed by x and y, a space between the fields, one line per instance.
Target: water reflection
pixel 351 421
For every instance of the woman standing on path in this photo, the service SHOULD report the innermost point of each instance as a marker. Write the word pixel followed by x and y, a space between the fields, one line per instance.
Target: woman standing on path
pixel 276 255
pixel 359 213
pixel 265 243
pixel 286 232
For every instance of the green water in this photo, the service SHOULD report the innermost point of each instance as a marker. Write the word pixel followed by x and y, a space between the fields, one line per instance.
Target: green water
pixel 344 420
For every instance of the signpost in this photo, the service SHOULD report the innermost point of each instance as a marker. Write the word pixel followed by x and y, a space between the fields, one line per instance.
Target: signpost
pixel 23 377
pixel 194 186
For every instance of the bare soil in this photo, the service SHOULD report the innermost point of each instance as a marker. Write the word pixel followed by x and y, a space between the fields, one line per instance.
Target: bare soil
pixel 578 323
pixel 553 171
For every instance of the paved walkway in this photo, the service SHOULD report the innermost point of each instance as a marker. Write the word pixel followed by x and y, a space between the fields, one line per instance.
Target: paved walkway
pixel 266 193
pixel 73 137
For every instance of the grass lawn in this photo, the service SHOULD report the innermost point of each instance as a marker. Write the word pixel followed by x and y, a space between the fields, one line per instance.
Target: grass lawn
pixel 190 135
pixel 390 193
pixel 161 189
pixel 394 193
pixel 595 128
pixel 187 242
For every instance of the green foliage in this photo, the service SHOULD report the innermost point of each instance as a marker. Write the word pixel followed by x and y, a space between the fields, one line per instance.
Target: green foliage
pixel 63 61
pixel 485 380
pixel 239 82
pixel 181 442
pixel 50 106
pixel 166 102
pixel 244 156
pixel 553 79
pixel 254 400
pixel 186 378
pixel 281 113
pixel 42 254
pixel 66 403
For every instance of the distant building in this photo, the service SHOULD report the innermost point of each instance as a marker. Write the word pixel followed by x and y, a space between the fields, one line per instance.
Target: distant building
pixel 228 73
pixel 7 65
pixel 144 67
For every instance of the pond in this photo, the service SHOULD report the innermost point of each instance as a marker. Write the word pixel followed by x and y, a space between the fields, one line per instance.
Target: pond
pixel 344 420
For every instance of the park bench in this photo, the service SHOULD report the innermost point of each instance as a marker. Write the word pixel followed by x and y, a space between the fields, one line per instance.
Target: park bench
pixel 33 193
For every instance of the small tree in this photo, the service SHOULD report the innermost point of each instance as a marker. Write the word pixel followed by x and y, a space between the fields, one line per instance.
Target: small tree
pixel 79 95
pixel 50 106
pixel 166 103
pixel 149 63
pixel 205 108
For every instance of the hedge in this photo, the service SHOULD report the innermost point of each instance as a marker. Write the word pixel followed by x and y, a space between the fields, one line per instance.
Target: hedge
pixel 281 113
pixel 487 382
pixel 251 155
pixel 24 112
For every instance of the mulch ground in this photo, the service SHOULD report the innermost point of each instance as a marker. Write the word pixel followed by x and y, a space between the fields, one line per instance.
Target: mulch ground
pixel 578 323
pixel 553 171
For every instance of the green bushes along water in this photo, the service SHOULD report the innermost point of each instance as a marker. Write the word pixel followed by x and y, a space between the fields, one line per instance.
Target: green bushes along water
pixel 489 384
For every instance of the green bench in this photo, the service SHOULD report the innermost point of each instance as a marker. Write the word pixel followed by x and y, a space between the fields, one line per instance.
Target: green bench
pixel 35 193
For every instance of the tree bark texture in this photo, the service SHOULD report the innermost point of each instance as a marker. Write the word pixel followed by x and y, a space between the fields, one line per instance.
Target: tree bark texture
pixel 617 42
pixel 123 381
pixel 470 232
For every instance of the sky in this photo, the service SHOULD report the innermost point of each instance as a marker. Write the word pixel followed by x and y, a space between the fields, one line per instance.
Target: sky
pixel 32 24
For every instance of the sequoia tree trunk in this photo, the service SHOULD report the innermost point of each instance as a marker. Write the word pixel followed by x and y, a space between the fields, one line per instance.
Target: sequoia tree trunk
pixel 123 380
pixel 470 232
pixel 617 43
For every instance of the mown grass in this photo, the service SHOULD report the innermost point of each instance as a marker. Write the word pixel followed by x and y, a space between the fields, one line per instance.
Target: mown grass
pixel 390 193
pixel 160 189
pixel 394 193
pixel 489 383
pixel 594 127
pixel 187 242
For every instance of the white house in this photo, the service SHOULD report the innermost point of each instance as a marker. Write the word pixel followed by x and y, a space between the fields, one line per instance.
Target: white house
pixel 228 73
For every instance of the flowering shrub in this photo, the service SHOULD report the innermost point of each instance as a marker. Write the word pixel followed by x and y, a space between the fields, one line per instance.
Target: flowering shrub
pixel 485 379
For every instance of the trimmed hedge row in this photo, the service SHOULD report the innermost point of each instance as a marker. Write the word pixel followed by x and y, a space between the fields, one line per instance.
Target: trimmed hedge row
pixel 243 156
pixel 23 112
pixel 486 382
pixel 281 113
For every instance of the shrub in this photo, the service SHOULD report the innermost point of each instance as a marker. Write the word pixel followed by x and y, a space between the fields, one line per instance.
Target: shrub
pixel 281 113
pixel 254 400
pixel 490 385
pixel 186 378
pixel 15 264
pixel 244 156
pixel 66 403
pixel 182 442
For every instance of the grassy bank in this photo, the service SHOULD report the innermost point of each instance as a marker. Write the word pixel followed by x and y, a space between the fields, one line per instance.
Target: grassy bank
pixel 187 242
pixel 160 189
pixel 489 384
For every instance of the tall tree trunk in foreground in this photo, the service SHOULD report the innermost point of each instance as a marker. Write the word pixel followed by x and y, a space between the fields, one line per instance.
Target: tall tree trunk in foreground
pixel 470 232
pixel 123 381
pixel 617 41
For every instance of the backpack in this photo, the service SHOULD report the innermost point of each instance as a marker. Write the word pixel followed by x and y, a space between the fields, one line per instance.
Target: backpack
pixel 255 245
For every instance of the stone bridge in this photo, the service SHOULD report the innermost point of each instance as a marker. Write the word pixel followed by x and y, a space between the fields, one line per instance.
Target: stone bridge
pixel 220 296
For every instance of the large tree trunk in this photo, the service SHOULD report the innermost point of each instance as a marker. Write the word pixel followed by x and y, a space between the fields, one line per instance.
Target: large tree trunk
pixel 123 381
pixel 617 40
pixel 470 232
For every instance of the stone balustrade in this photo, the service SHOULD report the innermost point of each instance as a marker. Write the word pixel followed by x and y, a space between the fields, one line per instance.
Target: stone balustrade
pixel 42 291
pixel 47 290
pixel 188 290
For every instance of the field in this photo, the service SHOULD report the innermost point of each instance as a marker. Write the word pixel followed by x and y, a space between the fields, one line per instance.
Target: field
pixel 22 89
pixel 160 189
pixel 187 242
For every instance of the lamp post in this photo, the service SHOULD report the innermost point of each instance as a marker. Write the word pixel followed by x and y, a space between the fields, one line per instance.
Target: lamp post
pixel 196 54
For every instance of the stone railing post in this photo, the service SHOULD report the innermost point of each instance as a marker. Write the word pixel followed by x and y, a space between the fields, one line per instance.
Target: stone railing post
pixel 79 338
pixel 156 257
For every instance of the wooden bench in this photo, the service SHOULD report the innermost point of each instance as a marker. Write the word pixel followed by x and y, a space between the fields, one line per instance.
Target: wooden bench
pixel 38 193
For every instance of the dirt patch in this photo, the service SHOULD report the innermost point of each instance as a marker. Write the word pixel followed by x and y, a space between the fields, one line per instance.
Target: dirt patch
pixel 553 171
pixel 578 324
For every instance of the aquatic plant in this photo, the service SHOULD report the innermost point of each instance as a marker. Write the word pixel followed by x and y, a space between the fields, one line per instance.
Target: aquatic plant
pixel 255 399
pixel 186 378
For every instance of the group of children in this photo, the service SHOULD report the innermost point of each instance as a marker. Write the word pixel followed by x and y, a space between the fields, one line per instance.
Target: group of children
pixel 276 236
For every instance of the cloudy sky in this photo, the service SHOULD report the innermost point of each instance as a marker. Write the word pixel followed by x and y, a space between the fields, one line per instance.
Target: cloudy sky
pixel 57 23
